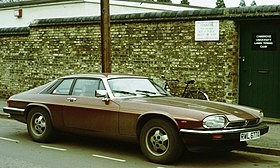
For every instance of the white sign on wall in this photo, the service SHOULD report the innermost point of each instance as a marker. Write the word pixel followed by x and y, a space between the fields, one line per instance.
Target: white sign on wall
pixel 207 30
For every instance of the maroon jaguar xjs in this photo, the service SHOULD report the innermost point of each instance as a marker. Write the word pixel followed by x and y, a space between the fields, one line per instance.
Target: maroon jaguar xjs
pixel 134 108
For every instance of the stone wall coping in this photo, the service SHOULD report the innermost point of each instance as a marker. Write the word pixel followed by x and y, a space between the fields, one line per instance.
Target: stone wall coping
pixel 237 13
pixel 14 31
pixel 66 21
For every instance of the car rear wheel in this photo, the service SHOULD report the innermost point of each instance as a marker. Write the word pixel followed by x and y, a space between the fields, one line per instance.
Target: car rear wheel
pixel 39 125
pixel 160 141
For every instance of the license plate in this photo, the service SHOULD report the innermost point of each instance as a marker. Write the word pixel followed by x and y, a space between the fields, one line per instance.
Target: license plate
pixel 246 136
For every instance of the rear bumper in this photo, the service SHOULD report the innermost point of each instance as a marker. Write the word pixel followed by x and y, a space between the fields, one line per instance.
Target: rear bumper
pixel 13 111
pixel 16 113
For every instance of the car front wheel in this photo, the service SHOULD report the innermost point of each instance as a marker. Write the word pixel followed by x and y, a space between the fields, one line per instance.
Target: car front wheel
pixel 39 125
pixel 160 141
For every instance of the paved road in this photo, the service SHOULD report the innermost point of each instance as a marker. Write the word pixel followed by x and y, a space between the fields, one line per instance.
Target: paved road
pixel 18 151
pixel 269 140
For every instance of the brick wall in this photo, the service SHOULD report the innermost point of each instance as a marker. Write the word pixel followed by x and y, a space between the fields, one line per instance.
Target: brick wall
pixel 53 48
pixel 169 48
pixel 45 54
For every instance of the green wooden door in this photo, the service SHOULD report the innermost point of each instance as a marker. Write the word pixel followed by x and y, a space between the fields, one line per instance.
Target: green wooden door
pixel 259 66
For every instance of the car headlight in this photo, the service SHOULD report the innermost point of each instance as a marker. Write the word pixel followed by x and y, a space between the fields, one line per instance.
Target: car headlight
pixel 215 121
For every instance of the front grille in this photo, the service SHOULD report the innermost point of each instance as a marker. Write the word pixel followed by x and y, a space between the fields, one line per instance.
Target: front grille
pixel 243 123
pixel 236 124
pixel 253 122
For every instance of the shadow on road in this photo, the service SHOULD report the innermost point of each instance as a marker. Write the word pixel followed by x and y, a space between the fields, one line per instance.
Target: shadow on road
pixel 216 159
pixel 132 152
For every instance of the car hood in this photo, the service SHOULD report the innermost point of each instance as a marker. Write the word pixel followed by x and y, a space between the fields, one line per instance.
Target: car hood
pixel 192 108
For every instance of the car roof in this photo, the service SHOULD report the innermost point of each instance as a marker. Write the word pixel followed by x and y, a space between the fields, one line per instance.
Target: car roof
pixel 103 75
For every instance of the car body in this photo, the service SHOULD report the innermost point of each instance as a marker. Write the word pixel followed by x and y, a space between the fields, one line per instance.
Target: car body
pixel 134 108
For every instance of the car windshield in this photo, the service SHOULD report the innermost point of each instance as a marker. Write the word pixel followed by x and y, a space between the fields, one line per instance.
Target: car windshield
pixel 123 87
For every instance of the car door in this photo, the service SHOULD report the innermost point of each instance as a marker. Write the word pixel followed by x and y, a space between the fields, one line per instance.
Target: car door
pixel 83 110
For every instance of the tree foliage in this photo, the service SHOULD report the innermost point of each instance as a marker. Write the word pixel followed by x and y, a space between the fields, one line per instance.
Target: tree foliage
pixel 242 3
pixel 253 3
pixel 186 2
pixel 220 4
pixel 164 1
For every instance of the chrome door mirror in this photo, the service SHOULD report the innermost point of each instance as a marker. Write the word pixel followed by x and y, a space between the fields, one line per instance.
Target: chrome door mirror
pixel 104 95
pixel 101 93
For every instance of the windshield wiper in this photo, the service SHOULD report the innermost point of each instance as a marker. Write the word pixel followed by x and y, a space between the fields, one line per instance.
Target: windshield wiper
pixel 145 92
pixel 124 92
pixel 149 93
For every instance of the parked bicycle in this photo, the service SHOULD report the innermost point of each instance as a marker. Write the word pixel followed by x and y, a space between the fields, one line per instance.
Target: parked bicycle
pixel 193 94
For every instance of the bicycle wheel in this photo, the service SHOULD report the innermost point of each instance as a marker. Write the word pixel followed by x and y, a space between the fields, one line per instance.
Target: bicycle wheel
pixel 201 95
pixel 196 94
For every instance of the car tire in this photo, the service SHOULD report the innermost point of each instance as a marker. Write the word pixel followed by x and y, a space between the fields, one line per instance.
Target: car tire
pixel 39 125
pixel 160 141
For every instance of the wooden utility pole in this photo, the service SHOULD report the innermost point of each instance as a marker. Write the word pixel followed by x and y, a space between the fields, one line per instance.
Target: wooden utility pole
pixel 105 37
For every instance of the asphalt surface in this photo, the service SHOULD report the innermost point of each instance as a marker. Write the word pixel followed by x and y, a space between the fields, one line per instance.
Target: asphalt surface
pixel 267 144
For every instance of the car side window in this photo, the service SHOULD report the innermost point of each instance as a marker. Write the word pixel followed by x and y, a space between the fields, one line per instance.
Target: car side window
pixel 64 87
pixel 87 87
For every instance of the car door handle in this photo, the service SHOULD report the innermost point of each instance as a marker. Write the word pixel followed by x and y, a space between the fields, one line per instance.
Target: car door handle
pixel 71 99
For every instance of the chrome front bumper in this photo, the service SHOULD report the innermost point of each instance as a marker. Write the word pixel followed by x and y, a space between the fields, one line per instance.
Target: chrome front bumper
pixel 227 134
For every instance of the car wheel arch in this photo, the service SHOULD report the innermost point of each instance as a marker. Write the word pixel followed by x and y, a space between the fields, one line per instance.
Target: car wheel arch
pixel 33 105
pixel 144 118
